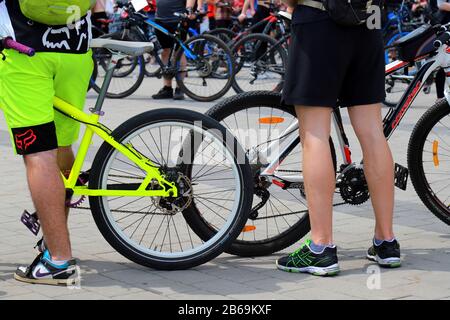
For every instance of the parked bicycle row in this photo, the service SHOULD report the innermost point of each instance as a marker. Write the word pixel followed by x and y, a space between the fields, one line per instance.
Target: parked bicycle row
pixel 204 66
pixel 246 55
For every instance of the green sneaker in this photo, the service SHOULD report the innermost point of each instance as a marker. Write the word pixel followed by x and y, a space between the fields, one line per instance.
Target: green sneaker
pixel 304 259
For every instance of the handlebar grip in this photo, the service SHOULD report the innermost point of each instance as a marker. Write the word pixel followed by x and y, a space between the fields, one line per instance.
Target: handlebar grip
pixel 442 39
pixel 9 43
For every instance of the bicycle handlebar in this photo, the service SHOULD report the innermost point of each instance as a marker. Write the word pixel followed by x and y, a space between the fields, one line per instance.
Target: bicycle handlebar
pixel 9 43
pixel 443 37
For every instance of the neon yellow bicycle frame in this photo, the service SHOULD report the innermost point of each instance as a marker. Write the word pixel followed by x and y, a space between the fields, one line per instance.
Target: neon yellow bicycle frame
pixel 166 188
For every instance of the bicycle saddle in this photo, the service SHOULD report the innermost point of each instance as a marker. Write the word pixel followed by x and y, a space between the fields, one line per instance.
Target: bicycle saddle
pixel 127 47
pixel 285 15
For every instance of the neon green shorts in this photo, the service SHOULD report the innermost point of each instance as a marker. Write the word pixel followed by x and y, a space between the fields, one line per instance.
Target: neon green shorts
pixel 27 88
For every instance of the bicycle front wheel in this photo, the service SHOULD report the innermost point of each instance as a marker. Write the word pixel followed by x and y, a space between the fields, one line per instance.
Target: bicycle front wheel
pixel 429 159
pixel 206 71
pixel 190 150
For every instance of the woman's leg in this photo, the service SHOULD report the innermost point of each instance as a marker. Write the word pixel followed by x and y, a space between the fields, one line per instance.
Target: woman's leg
pixel 318 170
pixel 378 165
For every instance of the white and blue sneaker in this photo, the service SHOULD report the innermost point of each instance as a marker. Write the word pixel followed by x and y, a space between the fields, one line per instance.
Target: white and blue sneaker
pixel 44 271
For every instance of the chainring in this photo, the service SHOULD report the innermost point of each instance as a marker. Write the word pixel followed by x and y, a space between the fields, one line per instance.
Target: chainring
pixel 353 186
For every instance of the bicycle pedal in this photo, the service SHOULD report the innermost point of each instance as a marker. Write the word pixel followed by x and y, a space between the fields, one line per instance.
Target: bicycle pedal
pixel 31 221
pixel 401 176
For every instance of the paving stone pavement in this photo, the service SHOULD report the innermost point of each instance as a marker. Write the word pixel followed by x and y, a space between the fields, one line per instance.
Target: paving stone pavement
pixel 425 241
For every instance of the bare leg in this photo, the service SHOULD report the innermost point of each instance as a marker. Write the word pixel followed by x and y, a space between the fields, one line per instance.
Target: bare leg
pixel 48 193
pixel 183 66
pixel 165 59
pixel 66 158
pixel 320 179
pixel 378 165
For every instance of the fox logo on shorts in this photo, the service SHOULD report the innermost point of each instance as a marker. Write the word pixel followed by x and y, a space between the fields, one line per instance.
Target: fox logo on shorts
pixel 24 140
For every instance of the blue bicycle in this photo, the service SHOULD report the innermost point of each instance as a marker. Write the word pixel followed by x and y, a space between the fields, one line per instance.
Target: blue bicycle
pixel 203 66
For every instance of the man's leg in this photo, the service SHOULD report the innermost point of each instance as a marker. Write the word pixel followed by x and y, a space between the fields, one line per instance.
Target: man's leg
pixel 165 59
pixel 66 158
pixel 48 194
pixel 166 92
pixel 378 165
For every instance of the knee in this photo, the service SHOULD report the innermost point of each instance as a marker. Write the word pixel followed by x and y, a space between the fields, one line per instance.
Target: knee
pixel 313 140
pixel 370 136
pixel 41 159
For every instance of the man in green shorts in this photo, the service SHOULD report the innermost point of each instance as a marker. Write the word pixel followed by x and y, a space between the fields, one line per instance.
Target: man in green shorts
pixel 61 67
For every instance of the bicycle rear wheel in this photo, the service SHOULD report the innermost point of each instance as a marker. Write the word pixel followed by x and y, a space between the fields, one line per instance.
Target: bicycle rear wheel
pixel 429 159
pixel 209 70
pixel 279 216
pixel 260 63
pixel 190 150
pixel 152 68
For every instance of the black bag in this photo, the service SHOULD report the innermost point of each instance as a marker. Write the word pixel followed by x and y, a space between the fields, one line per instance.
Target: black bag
pixel 348 12
pixel 417 43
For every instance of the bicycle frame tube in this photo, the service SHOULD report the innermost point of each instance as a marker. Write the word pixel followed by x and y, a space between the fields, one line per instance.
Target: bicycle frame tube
pixel 395 115
pixel 187 51
pixel 344 144
pixel 293 141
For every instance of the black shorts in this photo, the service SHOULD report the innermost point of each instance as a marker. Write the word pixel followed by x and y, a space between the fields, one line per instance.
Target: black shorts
pixel 330 64
pixel 166 41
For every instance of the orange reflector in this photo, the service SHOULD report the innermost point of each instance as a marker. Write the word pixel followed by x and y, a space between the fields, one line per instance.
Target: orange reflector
pixel 248 228
pixel 435 153
pixel 271 120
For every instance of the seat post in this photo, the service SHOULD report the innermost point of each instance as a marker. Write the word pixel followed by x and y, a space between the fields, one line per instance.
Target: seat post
pixel 116 57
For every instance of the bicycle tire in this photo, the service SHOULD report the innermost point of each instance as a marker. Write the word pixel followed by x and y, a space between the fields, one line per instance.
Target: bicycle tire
pixel 138 62
pixel 156 70
pixel 291 235
pixel 225 50
pixel 224 34
pixel 273 48
pixel 419 137
pixel 117 239
pixel 128 92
